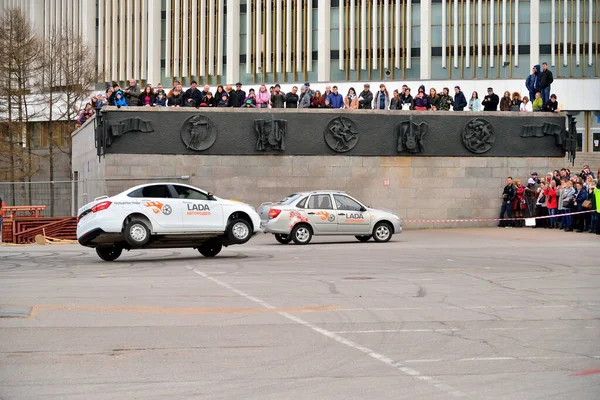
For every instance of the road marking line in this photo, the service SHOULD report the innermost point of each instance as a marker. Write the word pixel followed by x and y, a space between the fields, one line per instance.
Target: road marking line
pixel 380 357
pixel 176 311
pixel 452 308
pixel 500 359
pixel 400 330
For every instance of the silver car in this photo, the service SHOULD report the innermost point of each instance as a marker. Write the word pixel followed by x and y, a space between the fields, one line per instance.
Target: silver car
pixel 299 216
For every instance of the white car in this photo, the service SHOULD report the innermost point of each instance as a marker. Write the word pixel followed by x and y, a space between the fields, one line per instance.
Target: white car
pixel 164 215
pixel 299 216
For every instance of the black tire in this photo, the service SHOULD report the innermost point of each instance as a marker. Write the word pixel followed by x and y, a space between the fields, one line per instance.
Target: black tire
pixel 109 253
pixel 302 234
pixel 239 231
pixel 283 239
pixel 382 232
pixel 137 233
pixel 364 238
pixel 210 248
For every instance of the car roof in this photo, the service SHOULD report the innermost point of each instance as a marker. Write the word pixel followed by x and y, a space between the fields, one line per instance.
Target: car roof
pixel 323 192
pixel 159 183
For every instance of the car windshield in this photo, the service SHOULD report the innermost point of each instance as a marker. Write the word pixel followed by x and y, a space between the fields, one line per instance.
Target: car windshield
pixel 289 199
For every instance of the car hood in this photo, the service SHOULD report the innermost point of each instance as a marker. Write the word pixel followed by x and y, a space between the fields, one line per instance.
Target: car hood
pixel 380 212
pixel 233 202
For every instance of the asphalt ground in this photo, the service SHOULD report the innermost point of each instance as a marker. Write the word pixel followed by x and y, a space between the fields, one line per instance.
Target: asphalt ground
pixel 434 314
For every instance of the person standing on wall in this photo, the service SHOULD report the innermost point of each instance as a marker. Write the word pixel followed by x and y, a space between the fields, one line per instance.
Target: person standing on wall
pixel 2 211
pixel 365 98
pixel 545 82
pixel 532 83
pixel 508 195
pixel 490 101
pixel 460 101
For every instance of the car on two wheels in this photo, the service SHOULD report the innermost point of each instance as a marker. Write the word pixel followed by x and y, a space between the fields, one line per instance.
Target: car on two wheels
pixel 300 216
pixel 164 215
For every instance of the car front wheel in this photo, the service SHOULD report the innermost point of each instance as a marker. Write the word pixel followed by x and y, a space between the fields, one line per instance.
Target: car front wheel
pixel 382 232
pixel 283 239
pixel 364 238
pixel 137 233
pixel 239 231
pixel 109 253
pixel 302 234
pixel 210 248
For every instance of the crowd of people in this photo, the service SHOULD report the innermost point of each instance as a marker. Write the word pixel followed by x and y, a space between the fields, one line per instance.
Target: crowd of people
pixel 538 85
pixel 555 196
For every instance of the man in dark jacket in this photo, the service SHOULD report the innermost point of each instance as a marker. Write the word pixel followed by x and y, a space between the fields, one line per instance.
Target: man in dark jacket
pixel 365 98
pixel 291 99
pixel 545 81
pixel 460 101
pixel 277 98
pixel 240 95
pixel 532 83
pixel 490 101
pixel 204 91
pixel 552 105
pixel 132 93
pixel 192 96
pixel 508 195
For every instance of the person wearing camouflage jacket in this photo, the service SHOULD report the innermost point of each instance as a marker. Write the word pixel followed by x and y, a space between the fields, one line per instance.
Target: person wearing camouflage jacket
pixel 445 100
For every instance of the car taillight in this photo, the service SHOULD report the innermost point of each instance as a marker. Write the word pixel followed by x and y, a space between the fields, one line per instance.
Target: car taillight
pixel 101 206
pixel 274 213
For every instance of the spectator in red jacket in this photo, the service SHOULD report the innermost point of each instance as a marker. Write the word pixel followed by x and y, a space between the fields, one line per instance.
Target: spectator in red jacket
pixel 550 194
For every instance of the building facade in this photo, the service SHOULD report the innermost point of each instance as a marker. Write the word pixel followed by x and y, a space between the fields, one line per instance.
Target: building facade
pixel 472 43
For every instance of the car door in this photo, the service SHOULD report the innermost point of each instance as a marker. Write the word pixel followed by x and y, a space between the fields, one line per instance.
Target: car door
pixel 321 214
pixel 350 217
pixel 200 212
pixel 158 204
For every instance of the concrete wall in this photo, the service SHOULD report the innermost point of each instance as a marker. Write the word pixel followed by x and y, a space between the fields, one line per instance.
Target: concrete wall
pixel 419 187
pixel 91 172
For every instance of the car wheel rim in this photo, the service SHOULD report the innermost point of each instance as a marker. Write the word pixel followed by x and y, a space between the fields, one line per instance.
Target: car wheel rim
pixel 240 231
pixel 302 234
pixel 137 233
pixel 383 232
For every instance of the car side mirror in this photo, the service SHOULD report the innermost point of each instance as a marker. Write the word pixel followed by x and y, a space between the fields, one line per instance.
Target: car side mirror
pixel 363 209
pixel 210 196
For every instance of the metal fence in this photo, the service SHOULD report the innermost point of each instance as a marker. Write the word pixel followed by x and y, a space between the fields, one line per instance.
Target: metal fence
pixel 63 198
pixel 57 196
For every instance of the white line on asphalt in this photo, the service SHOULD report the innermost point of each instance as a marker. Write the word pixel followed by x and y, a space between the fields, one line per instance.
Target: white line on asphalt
pixel 380 357
pixel 451 308
pixel 510 328
pixel 473 359
pixel 400 330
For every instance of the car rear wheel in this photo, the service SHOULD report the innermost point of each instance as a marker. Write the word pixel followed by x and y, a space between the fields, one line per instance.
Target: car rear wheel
pixel 210 248
pixel 382 232
pixel 283 239
pixel 302 234
pixel 364 238
pixel 137 233
pixel 239 231
pixel 109 253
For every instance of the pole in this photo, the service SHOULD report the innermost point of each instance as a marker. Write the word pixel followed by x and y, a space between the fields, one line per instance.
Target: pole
pixel 73 204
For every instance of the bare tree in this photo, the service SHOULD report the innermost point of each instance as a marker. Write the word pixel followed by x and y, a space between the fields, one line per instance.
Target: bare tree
pixel 67 79
pixel 19 65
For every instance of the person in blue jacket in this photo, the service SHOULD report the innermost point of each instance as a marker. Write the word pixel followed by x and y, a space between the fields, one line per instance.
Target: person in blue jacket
pixel 532 83
pixel 581 195
pixel 120 100
pixel 336 99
